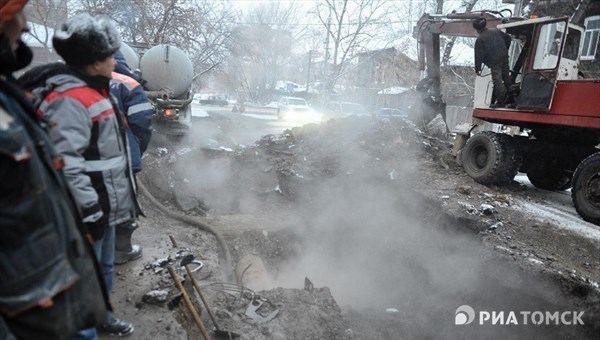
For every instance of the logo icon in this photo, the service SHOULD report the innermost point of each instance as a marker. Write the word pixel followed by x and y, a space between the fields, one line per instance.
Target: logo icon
pixel 464 315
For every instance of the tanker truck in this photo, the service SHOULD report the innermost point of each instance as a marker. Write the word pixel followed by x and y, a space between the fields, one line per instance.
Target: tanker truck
pixel 169 74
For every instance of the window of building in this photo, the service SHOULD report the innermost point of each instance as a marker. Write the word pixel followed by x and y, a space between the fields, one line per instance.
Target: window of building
pixel 590 38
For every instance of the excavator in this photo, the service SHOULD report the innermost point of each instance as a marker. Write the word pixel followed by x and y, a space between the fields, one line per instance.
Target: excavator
pixel 555 109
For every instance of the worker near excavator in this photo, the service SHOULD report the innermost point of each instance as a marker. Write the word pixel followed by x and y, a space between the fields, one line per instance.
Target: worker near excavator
pixel 491 49
pixel 50 286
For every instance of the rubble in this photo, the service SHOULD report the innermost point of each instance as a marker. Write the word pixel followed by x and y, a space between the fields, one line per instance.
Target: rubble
pixel 155 297
pixel 280 171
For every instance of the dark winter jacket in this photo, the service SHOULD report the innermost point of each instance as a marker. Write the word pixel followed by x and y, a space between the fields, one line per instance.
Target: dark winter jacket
pixel 491 48
pixel 89 132
pixel 134 103
pixel 123 68
pixel 49 283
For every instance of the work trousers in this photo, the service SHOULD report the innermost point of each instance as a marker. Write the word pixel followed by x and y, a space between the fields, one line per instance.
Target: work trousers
pixel 501 81
pixel 105 253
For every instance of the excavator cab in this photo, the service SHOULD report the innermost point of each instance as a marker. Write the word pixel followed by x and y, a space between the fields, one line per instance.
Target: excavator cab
pixel 542 51
pixel 554 112
pixel 546 50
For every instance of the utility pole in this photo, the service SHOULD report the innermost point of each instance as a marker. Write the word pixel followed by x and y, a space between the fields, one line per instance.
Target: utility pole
pixel 308 72
pixel 518 8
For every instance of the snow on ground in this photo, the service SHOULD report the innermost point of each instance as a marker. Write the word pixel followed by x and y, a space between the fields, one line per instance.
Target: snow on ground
pixel 559 210
pixel 198 111
pixel 563 219
pixel 260 116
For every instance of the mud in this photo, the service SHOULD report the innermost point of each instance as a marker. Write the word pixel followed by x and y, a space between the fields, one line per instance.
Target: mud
pixel 379 218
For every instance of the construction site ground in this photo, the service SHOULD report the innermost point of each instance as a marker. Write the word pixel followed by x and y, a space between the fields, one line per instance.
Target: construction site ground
pixel 357 228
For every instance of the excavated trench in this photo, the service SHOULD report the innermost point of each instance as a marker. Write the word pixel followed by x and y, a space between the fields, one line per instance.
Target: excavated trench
pixel 406 279
pixel 398 269
pixel 357 256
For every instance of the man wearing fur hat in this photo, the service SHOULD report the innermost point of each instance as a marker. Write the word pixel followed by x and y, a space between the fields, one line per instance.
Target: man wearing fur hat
pixel 49 285
pixel 90 133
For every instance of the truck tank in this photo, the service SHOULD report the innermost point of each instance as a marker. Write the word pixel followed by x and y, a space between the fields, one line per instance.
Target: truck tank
pixel 169 74
pixel 167 68
pixel 132 58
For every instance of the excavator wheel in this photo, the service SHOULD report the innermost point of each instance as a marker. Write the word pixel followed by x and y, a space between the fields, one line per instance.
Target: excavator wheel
pixel 586 189
pixel 547 174
pixel 491 158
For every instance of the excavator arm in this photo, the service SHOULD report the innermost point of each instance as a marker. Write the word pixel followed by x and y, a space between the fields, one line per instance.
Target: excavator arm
pixel 428 31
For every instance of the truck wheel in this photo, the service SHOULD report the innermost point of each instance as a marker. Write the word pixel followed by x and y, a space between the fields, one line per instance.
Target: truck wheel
pixel 586 189
pixel 491 158
pixel 548 175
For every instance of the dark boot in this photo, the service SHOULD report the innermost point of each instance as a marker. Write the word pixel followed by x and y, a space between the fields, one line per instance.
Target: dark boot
pixel 116 327
pixel 124 250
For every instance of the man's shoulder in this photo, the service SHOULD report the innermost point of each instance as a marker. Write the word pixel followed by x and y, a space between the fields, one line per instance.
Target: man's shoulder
pixel 71 87
pixel 62 82
pixel 125 80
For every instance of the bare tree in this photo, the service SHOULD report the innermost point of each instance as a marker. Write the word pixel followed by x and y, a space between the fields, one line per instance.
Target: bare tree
pixel 262 46
pixel 469 5
pixel 350 26
pixel 202 28
pixel 46 16
pixel 440 7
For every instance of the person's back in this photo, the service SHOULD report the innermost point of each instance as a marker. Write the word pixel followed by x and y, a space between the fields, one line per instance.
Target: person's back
pixel 49 286
pixel 493 45
pixel 134 103
pixel 491 49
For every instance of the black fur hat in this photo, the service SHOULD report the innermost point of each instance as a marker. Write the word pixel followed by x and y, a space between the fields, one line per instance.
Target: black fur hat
pixel 479 24
pixel 83 40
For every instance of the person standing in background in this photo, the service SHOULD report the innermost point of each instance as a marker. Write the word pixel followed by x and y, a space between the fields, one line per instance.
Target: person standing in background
pixel 134 103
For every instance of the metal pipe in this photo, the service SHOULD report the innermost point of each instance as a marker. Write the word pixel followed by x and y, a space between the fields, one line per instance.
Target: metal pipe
pixel 188 303
pixel 229 272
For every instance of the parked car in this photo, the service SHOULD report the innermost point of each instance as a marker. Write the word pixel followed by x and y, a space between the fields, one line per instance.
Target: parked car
pixel 344 109
pixel 214 100
pixel 386 111
pixel 297 110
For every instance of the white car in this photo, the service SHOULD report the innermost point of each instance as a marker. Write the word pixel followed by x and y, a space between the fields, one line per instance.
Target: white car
pixel 296 109
pixel 344 109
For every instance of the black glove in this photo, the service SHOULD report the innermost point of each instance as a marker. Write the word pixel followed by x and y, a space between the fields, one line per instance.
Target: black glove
pixel 96 229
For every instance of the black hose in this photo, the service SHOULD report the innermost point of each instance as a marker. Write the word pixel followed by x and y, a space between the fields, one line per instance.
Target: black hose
pixel 229 272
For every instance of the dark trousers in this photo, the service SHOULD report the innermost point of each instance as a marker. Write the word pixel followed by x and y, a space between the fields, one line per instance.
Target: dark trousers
pixel 501 80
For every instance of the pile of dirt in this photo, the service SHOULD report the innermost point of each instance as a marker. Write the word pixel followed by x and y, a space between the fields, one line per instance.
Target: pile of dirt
pixel 262 196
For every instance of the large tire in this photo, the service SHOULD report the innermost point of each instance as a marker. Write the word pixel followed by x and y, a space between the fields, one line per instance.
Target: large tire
pixel 491 158
pixel 547 174
pixel 586 189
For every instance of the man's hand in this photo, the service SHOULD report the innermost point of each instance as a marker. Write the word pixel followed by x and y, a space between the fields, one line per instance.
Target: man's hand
pixel 478 73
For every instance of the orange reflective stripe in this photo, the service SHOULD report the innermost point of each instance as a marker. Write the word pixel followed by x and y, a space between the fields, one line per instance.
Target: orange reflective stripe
pixel 126 79
pixel 85 95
